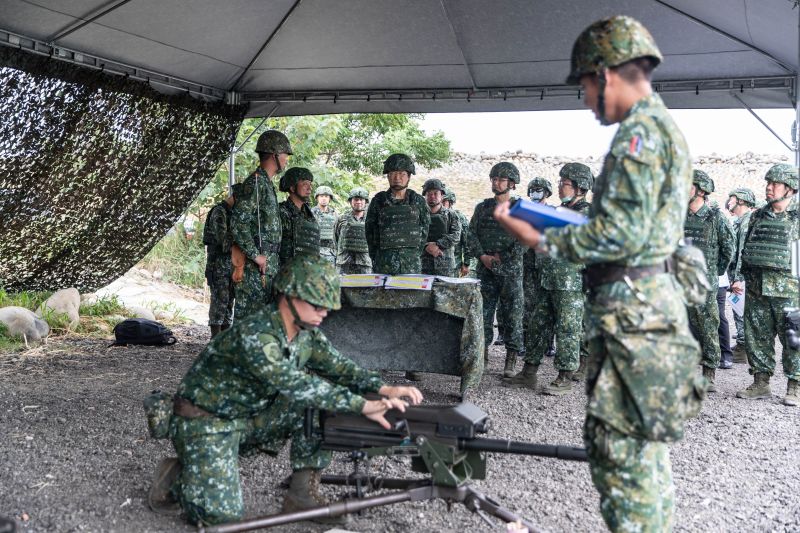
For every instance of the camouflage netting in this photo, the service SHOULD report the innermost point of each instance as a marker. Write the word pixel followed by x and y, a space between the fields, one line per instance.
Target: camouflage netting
pixel 95 169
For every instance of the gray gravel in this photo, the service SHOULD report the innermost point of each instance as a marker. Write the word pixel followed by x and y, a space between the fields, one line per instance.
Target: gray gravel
pixel 76 457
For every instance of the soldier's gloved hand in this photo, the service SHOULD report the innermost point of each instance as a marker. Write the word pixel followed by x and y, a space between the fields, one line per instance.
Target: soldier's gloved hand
pixel 261 261
pixel 376 409
pixel 398 391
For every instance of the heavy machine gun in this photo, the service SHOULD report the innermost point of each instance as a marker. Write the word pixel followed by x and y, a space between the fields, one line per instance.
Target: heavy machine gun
pixel 442 441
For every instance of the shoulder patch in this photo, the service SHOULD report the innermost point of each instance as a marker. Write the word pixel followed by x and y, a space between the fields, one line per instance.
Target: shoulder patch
pixel 635 145
pixel 272 351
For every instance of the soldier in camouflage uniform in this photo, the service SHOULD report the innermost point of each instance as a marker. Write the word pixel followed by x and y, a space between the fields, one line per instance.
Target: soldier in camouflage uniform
pixel 499 265
pixel 464 263
pixel 770 286
pixel 397 221
pixel 741 203
pixel 300 230
pixel 558 308
pixel 247 391
pixel 326 218
pixel 710 231
pixel 641 381
pixel 443 234
pixel 353 253
pixel 256 224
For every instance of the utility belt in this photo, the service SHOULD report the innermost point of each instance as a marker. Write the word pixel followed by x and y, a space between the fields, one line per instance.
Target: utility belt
pixel 186 409
pixel 326 243
pixel 602 274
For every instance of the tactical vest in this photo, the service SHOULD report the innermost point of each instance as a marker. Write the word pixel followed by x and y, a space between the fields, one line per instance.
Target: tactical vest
pixel 354 238
pixel 703 232
pixel 491 235
pixel 306 236
pixel 399 226
pixel 438 227
pixel 326 222
pixel 767 242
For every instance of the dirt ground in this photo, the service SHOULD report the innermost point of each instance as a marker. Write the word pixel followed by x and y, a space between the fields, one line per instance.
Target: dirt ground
pixel 75 453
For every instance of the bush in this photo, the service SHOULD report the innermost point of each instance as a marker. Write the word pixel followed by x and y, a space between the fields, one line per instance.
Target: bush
pixel 106 305
pixel 182 260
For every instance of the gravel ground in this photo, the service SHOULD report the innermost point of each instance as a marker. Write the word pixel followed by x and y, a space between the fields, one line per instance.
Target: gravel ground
pixel 76 456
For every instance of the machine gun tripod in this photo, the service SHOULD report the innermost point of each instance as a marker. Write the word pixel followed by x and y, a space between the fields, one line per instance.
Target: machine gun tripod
pixel 442 441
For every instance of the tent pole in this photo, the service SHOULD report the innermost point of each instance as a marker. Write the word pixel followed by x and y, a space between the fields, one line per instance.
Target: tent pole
pixel 744 104
pixel 231 170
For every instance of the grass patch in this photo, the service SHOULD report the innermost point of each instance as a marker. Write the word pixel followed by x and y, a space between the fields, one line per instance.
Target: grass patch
pixel 27 299
pixel 182 260
pixel 105 305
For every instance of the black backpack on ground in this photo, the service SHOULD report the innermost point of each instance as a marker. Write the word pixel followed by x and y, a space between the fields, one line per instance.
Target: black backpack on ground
pixel 142 331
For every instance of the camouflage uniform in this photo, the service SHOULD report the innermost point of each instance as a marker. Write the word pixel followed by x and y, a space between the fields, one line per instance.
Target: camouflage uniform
pixel 461 256
pixel 530 272
pixel 300 231
pixel 353 252
pixel 641 381
pixel 217 238
pixel 396 231
pixel 327 236
pixel 255 384
pixel 445 231
pixel 739 227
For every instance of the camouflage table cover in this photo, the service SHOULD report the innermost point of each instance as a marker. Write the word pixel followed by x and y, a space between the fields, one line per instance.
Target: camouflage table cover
pixel 399 329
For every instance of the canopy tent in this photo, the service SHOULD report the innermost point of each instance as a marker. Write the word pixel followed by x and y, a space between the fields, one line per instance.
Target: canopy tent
pixel 297 57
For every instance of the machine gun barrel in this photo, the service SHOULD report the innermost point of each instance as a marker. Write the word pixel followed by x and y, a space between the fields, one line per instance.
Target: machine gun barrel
pixel 567 453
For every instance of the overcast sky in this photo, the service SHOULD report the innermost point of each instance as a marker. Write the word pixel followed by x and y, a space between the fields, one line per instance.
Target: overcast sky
pixel 577 133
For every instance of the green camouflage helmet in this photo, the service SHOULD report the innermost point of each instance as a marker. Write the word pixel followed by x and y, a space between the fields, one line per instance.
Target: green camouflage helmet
pixel 783 173
pixel 542 183
pixel 433 184
pixel 292 176
pixel 311 279
pixel 609 43
pixel 505 170
pixel 580 174
pixel 358 192
pixel 449 195
pixel 745 195
pixel 702 181
pixel 273 142
pixel 398 162
pixel 323 189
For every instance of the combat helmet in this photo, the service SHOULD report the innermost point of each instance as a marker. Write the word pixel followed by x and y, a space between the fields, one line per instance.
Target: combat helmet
pixel 580 174
pixel 783 173
pixel 542 183
pixel 292 176
pixel 323 189
pixel 433 184
pixel 745 195
pixel 358 192
pixel 398 162
pixel 702 181
pixel 449 195
pixel 273 142
pixel 311 279
pixel 505 169
pixel 609 43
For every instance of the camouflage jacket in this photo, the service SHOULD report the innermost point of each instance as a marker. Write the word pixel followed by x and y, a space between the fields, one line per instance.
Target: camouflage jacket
pixel 346 257
pixel 257 206
pixel 560 274
pixel 446 242
pixel 720 236
pixel 510 250
pixel 216 232
pixel 290 217
pixel 739 226
pixel 460 251
pixel 242 371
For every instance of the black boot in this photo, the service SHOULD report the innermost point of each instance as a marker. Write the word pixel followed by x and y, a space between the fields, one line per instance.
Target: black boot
pixel 304 494
pixel 160 498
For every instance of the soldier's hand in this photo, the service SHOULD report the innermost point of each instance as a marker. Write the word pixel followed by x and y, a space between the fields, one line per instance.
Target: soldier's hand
pixel 376 409
pixel 261 261
pixel 397 391
pixel 488 261
pixel 432 249
pixel 736 287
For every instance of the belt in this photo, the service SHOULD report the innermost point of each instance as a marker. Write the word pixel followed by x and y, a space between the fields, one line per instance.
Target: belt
pixel 186 409
pixel 604 273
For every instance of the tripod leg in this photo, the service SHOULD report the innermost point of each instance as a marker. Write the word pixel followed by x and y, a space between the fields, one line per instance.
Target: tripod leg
pixel 482 505
pixel 374 482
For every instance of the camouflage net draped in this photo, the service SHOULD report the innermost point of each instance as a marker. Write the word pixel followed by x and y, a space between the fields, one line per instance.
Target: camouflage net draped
pixel 95 169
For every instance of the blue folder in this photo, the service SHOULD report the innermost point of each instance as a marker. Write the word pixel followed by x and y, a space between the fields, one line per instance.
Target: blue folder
pixel 544 216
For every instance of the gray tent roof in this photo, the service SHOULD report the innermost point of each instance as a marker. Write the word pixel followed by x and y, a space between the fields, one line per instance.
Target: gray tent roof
pixel 292 57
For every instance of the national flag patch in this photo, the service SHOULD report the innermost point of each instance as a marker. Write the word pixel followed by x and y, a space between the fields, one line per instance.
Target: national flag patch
pixel 635 146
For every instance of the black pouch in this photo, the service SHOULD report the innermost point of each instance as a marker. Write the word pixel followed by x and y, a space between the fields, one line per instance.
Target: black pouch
pixel 142 331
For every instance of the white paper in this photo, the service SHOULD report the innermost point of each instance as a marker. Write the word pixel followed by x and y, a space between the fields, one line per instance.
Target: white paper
pixel 362 280
pixel 419 282
pixel 737 302
pixel 724 281
pixel 457 281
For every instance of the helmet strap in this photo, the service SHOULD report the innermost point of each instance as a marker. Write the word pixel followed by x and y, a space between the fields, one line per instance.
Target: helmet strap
pixel 297 322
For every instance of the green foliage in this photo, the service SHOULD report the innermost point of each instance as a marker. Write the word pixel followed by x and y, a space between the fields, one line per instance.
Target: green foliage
pixel 182 260
pixel 27 299
pixel 106 305
pixel 58 322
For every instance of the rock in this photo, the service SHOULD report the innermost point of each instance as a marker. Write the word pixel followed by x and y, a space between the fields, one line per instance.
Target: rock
pixel 89 298
pixel 66 301
pixel 162 315
pixel 158 274
pixel 141 312
pixel 24 322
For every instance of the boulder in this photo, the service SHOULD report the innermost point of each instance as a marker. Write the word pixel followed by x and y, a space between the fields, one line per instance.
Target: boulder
pixel 89 298
pixel 141 312
pixel 24 323
pixel 66 301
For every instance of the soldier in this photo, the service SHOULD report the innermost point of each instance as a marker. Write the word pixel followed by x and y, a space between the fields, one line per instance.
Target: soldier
pixel 770 286
pixel 499 265
pixel 397 221
pixel 443 235
pixel 711 232
pixel 741 203
pixel 558 308
pixel 353 253
pixel 247 391
pixel 641 382
pixel 464 263
pixel 256 225
pixel 300 230
pixel 326 218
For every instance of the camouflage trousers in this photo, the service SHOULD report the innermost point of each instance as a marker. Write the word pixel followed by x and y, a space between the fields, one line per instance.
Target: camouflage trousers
pixel 208 449
pixel 634 478
pixel 438 266
pixel 763 321
pixel 397 261
pixel 350 268
pixel 329 254
pixel 505 292
pixel 704 324
pixel 559 313
pixel 220 285
pixel 739 323
pixel 251 294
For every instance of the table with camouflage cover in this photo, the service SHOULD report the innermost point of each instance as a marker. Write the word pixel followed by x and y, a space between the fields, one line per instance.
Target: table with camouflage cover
pixel 438 331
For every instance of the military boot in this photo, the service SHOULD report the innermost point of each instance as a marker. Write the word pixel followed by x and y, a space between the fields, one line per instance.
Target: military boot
pixel 511 361
pixel 160 499
pixel 561 385
pixel 304 494
pixel 215 330
pixel 525 379
pixel 758 390
pixel 580 374
pixel 739 354
pixel 710 375
pixel 792 397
